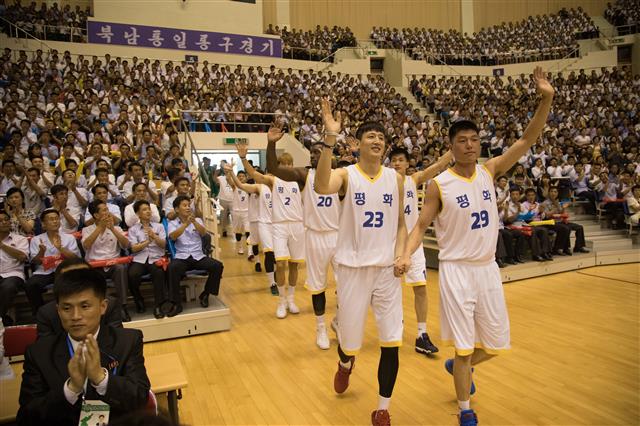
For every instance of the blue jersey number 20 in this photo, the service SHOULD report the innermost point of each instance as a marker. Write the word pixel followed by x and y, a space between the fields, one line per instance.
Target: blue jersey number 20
pixel 324 201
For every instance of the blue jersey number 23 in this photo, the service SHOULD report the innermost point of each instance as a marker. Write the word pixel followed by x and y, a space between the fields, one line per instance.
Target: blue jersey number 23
pixel 374 220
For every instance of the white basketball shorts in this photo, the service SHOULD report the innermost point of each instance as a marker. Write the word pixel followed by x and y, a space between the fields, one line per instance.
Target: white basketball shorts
pixel 288 241
pixel 320 247
pixel 417 273
pixel 240 221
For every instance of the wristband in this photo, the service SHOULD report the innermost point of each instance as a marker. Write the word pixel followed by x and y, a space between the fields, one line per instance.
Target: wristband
pixel 242 158
pixel 328 146
pixel 331 133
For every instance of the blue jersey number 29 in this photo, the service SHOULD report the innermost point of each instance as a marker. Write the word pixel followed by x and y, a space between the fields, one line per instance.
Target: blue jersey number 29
pixel 374 220
pixel 480 219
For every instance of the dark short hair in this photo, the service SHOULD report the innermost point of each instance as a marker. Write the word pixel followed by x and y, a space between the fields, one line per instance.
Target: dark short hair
pixel 55 189
pixel 515 188
pixel 180 179
pixel 45 212
pixel 14 190
pixel 101 170
pixel 134 164
pixel 93 206
pixel 172 172
pixel 370 126
pixel 140 203
pixel 529 191
pixel 460 126
pixel 502 177
pixel 2 212
pixel 399 151
pixel 135 186
pixel 179 199
pixel 99 185
pixel 77 280
pixel 67 263
pixel 8 161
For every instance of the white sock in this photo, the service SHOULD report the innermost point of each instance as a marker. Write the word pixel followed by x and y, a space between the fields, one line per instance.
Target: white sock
pixel 383 403
pixel 271 276
pixel 320 321
pixel 282 291
pixel 346 365
pixel 464 405
pixel 422 328
pixel 292 291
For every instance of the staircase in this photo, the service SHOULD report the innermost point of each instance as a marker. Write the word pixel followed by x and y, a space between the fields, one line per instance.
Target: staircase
pixel 600 238
pixel 406 93
pixel 604 26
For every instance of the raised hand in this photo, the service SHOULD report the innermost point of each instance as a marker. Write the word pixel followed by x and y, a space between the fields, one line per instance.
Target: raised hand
pixel 542 84
pixel 331 124
pixel 353 143
pixel 228 167
pixel 275 132
pixel 94 370
pixel 242 149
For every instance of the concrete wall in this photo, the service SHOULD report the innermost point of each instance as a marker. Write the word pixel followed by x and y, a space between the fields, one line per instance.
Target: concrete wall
pixel 605 58
pixel 635 55
pixel 215 141
pixel 211 15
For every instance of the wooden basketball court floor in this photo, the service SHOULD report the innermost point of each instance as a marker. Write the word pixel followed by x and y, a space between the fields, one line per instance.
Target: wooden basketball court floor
pixel 575 358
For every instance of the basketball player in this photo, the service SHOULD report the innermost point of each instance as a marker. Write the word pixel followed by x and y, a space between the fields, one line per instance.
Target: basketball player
pixel 260 212
pixel 371 238
pixel 321 220
pixel 288 231
pixel 239 210
pixel 416 275
pixel 462 201
pixel 225 196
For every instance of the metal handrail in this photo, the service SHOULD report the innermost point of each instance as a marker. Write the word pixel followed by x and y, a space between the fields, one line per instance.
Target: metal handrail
pixel 11 24
pixel 209 111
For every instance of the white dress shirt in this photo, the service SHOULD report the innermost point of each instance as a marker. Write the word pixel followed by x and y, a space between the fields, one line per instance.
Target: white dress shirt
pixel 131 218
pixel 152 252
pixel 190 242
pixel 66 240
pixel 113 209
pixel 9 265
pixel 104 247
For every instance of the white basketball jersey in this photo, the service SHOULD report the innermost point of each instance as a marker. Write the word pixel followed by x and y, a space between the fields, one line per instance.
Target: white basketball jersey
pixel 369 219
pixel 254 206
pixel 226 191
pixel 240 201
pixel 287 201
pixel 467 225
pixel 321 212
pixel 410 203
pixel 265 205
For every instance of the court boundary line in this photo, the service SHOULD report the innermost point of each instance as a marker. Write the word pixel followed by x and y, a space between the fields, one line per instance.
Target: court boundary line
pixel 608 278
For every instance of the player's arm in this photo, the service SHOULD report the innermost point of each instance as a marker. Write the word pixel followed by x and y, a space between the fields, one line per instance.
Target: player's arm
pixel 231 177
pixel 430 209
pixel 257 176
pixel 329 181
pixel 504 162
pixel 401 236
pixel 432 171
pixel 297 174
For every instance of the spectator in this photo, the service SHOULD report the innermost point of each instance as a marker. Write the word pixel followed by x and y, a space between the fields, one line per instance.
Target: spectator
pixel 103 241
pixel 47 319
pixel 140 192
pixel 555 210
pixel 148 240
pixel 187 232
pixel 111 368
pixel 633 202
pixel 22 220
pixel 51 243
pixel 14 251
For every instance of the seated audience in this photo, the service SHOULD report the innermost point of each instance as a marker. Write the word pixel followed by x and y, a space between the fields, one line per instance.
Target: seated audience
pixel 51 243
pixel 14 251
pixel 103 241
pixel 148 241
pixel 516 215
pixel 69 219
pixel 22 220
pixel 187 232
pixel 554 209
pixel 633 203
pixel 86 360
pixel 101 192
pixel 140 191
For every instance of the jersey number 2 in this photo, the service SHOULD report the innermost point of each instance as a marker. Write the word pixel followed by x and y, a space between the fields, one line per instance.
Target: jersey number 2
pixel 287 201
pixel 374 220
pixel 480 219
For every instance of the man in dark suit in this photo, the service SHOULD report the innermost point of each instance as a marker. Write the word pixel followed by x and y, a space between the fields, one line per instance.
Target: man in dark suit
pixel 47 318
pixel 86 359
